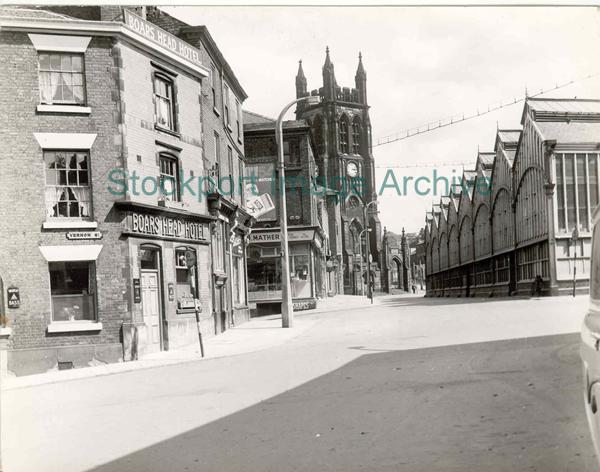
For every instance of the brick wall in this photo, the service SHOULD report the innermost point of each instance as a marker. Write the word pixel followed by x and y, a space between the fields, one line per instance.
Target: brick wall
pixel 22 185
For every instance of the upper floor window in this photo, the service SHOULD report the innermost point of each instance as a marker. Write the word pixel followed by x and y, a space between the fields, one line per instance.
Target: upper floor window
pixel 169 177
pixel 61 77
pixel 238 119
pixel 576 190
pixel 355 137
pixel 213 82
pixel 164 102
pixel 226 106
pixel 344 135
pixel 67 184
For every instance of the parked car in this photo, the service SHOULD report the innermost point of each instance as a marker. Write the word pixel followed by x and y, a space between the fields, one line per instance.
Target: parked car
pixel 590 342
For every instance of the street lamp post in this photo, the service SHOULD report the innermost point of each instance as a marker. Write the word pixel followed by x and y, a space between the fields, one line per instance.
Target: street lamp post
pixel 368 246
pixel 574 238
pixel 287 307
pixel 362 282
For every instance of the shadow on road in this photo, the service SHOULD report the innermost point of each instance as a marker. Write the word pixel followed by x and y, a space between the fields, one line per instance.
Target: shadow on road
pixel 498 406
pixel 397 301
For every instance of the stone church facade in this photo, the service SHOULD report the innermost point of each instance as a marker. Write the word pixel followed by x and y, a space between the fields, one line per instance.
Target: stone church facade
pixel 342 129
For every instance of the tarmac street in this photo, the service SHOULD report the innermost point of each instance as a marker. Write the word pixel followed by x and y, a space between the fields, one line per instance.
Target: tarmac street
pixel 408 384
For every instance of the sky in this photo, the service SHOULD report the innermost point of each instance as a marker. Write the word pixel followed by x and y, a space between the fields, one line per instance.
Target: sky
pixel 423 64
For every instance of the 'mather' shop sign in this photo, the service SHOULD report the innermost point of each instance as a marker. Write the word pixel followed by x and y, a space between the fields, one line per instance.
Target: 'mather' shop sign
pixel 165 227
pixel 161 37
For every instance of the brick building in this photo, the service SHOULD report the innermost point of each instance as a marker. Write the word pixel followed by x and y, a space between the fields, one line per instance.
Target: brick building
pixel 106 253
pixel 520 222
pixel 309 230
pixel 342 130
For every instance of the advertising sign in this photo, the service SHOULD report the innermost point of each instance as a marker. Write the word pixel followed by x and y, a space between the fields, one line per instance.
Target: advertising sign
pixel 260 191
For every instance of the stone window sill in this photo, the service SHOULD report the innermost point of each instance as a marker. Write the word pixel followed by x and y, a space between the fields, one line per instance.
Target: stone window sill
pixel 73 326
pixel 73 109
pixel 65 224
pixel 5 332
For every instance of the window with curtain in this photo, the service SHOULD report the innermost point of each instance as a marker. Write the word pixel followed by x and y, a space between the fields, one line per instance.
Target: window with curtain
pixel 164 101
pixel 67 184
pixel 61 77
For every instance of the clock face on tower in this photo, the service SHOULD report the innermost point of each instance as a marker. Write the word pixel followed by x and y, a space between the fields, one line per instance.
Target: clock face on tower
pixel 352 169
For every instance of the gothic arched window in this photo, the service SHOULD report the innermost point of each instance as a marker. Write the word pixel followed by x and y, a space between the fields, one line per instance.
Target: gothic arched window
pixel 344 134
pixel 356 136
pixel 318 133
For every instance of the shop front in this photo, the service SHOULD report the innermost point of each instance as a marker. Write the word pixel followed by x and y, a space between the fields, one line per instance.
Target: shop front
pixel 264 269
pixel 168 255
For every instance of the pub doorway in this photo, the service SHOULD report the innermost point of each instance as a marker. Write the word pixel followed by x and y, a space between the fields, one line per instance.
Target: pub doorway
pixel 151 296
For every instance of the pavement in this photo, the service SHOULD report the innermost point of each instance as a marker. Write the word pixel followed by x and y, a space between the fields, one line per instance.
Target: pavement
pixel 410 384
pixel 259 333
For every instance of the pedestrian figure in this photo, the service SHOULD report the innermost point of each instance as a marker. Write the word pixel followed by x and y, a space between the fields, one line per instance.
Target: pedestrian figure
pixel 536 287
pixel 414 288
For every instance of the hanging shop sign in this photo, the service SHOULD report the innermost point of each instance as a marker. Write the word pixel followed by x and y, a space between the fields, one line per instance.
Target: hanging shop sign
pixel 166 227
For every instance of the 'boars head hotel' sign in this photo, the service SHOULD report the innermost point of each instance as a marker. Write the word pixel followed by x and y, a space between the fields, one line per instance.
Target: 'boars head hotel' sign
pixel 165 227
pixel 162 38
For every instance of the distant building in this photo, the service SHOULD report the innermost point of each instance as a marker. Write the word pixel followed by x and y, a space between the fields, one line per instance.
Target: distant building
pixel 342 129
pixel 311 211
pixel 520 222
pixel 396 274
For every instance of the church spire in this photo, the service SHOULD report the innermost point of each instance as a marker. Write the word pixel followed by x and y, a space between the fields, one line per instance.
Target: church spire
pixel 361 80
pixel 360 72
pixel 329 85
pixel 300 81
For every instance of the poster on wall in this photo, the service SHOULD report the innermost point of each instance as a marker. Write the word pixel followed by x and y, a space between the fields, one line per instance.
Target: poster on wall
pixel 259 191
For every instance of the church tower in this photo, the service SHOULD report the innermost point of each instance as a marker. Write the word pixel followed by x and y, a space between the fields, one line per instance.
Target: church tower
pixel 342 130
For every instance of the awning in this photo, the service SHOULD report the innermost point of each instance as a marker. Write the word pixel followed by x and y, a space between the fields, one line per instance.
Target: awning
pixel 80 252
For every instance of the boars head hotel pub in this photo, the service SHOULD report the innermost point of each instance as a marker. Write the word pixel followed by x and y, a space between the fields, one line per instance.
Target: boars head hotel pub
pixel 106 256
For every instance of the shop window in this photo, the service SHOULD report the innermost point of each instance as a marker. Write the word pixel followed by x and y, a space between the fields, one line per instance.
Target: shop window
pixel 169 177
pixel 300 276
pixel 67 184
pixel 238 279
pixel 72 291
pixel 164 101
pixel 185 278
pixel 61 77
pixel 264 270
